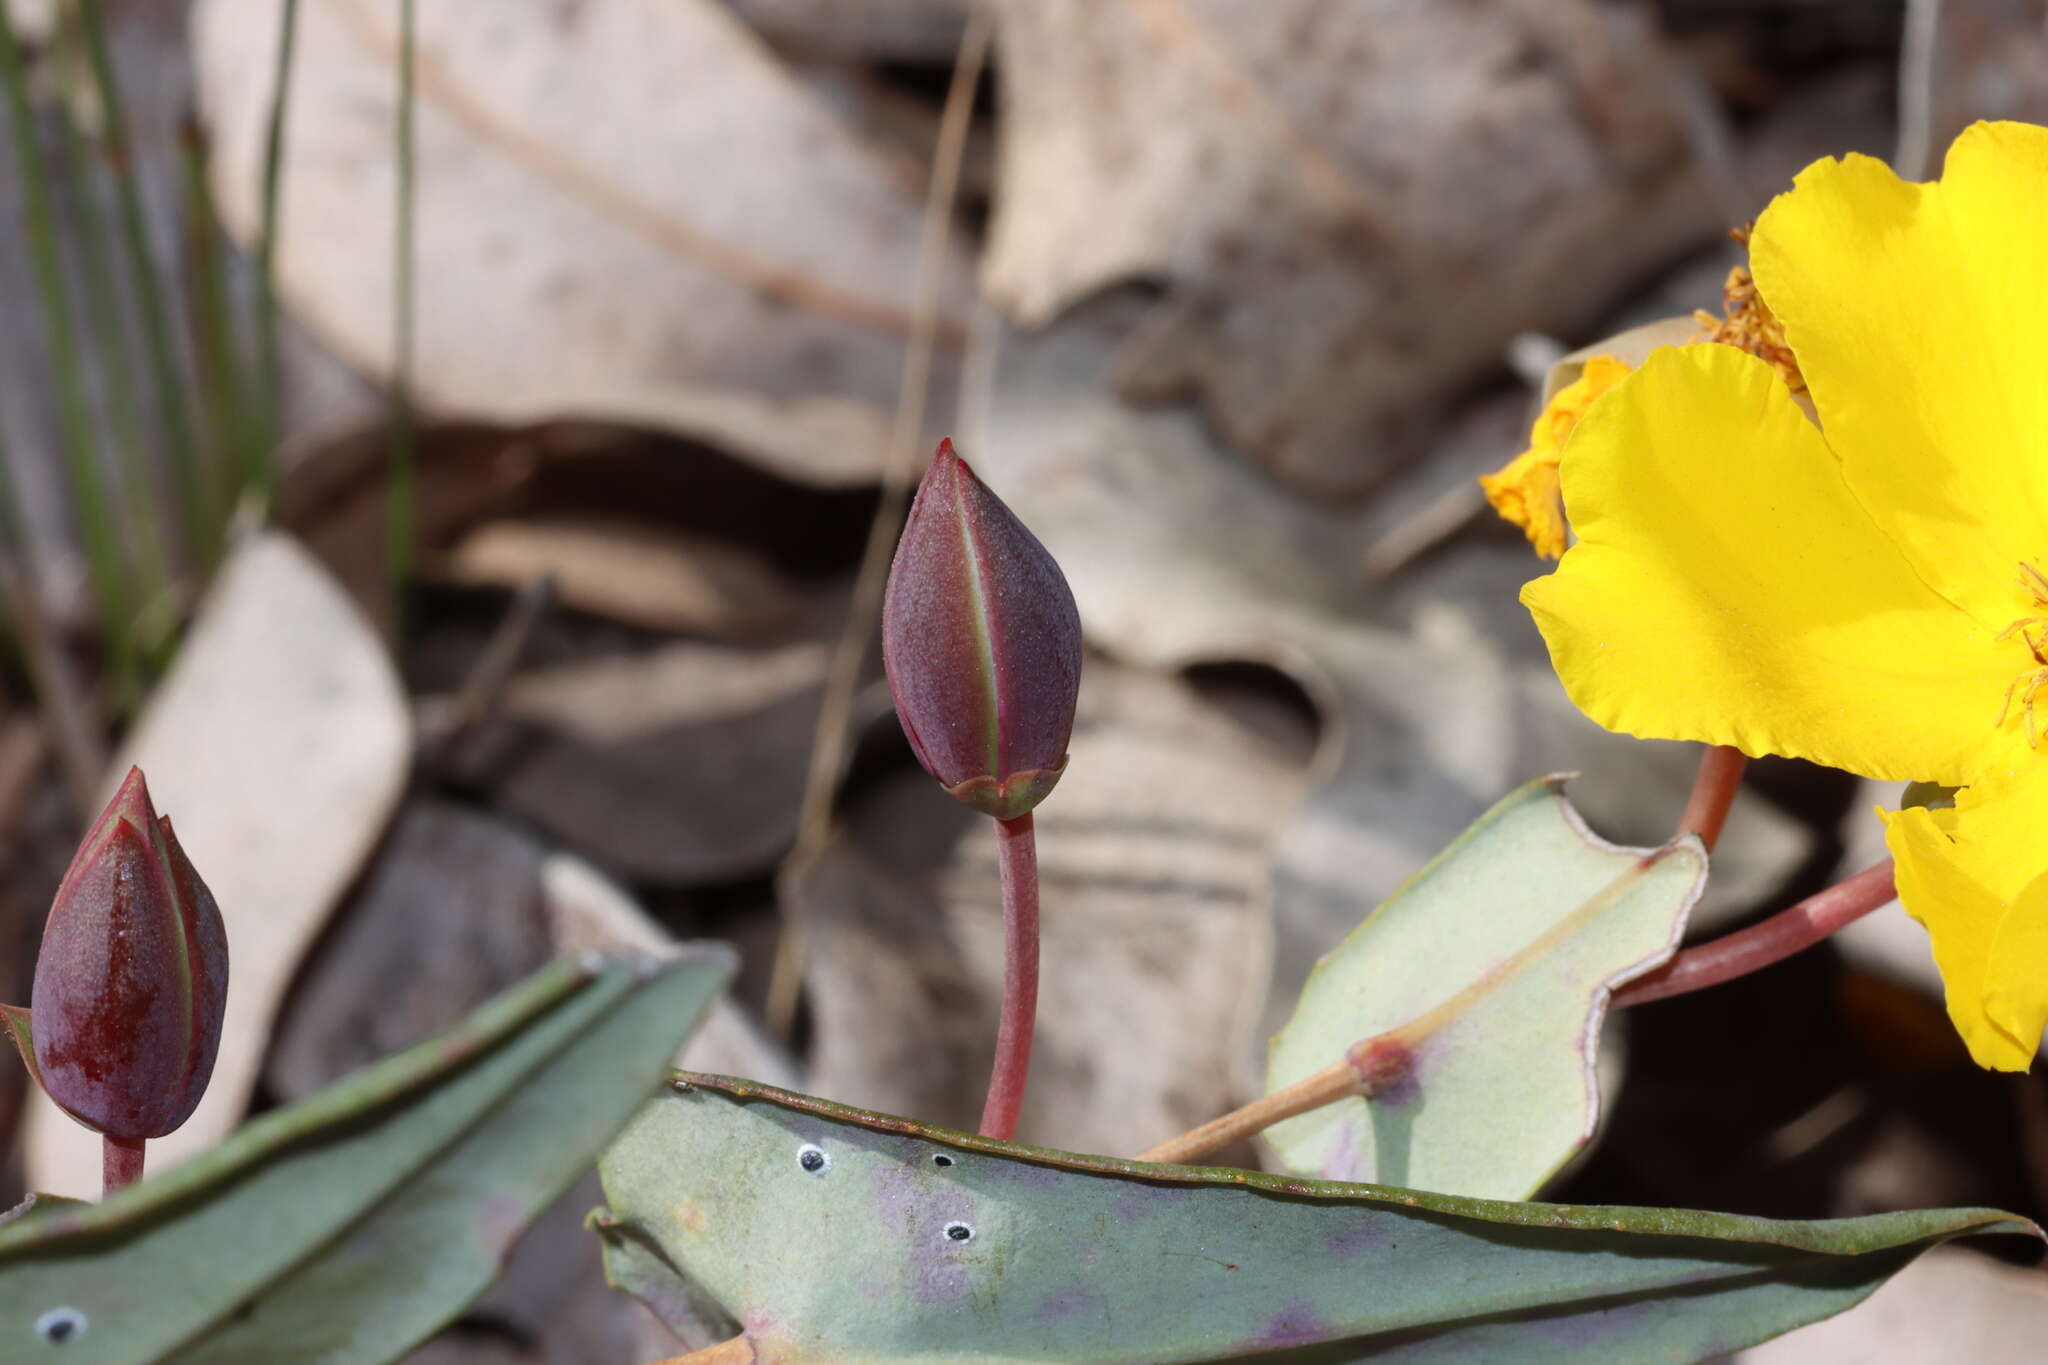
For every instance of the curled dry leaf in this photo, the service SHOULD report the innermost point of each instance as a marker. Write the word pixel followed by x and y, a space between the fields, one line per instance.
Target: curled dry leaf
pixel 585 910
pixel 281 740
pixel 1952 1304
pixel 1358 206
pixel 1154 870
pixel 627 210
pixel 639 575
pixel 448 915
pixel 866 30
pixel 682 764
pixel 654 530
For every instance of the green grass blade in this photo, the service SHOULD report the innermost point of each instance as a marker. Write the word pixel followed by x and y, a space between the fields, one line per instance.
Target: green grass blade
pixel 167 376
pixel 267 358
pixel 110 343
pixel 88 486
pixel 223 388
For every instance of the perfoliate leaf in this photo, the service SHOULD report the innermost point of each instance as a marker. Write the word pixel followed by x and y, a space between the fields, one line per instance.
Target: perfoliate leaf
pixel 1503 952
pixel 834 1235
pixel 350 1226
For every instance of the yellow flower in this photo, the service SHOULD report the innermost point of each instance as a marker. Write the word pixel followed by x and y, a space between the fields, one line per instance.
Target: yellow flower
pixel 1866 593
pixel 1525 490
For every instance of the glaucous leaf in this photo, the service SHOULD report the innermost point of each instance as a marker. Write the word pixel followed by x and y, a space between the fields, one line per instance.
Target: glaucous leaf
pixel 828 1234
pixel 348 1227
pixel 1494 964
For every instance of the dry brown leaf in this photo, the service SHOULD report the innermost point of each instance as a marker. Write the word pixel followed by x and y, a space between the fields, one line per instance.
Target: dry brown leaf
pixel 1175 552
pixel 1990 62
pixel 866 30
pixel 1352 207
pixel 449 915
pixel 460 905
pixel 645 577
pixel 627 210
pixel 279 744
pixel 1949 1305
pixel 759 536
pixel 586 910
pixel 683 764
pixel 1155 910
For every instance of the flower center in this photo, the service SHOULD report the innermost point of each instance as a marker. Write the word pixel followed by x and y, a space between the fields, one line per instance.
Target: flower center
pixel 2032 631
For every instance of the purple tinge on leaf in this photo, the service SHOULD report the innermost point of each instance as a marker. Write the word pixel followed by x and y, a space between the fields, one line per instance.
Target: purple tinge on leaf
pixel 982 643
pixel 132 978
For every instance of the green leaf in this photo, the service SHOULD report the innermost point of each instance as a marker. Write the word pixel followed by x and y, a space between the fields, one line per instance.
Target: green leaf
pixel 716 1220
pixel 1495 963
pixel 350 1226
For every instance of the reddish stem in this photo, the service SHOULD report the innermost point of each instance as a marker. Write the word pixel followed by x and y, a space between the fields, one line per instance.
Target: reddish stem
pixel 1713 792
pixel 121 1163
pixel 1017 855
pixel 1777 938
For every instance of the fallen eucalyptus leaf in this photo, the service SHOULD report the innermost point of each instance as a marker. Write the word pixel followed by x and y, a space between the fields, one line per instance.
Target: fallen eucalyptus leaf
pixel 279 743
pixel 567 266
pixel 1950 1305
pixel 1174 550
pixel 1357 206
pixel 864 30
pixel 1495 963
pixel 684 763
pixel 448 915
pixel 655 579
pixel 349 1226
pixel 898 1242
pixel 588 912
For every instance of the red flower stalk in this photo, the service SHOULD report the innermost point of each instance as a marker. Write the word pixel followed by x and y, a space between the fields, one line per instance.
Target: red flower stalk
pixel 125 1016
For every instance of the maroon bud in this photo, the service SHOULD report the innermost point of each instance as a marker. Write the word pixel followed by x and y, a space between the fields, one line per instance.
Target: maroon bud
pixel 132 977
pixel 982 643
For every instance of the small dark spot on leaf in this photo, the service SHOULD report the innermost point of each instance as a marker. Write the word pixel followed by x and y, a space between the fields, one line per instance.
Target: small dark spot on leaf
pixel 941 1159
pixel 958 1232
pixel 60 1325
pixel 812 1159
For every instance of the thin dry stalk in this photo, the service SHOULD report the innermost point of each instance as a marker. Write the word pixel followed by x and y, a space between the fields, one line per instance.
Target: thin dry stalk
pixel 828 748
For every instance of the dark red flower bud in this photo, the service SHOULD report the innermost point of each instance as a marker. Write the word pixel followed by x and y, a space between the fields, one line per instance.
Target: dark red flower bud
pixel 132 977
pixel 982 643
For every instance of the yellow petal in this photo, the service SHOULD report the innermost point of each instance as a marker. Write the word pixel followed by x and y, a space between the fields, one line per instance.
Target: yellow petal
pixel 1525 490
pixel 1977 878
pixel 1916 313
pixel 1727 587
